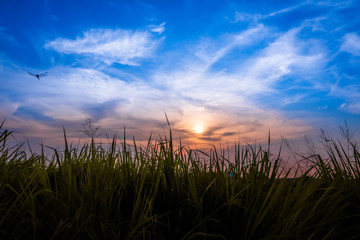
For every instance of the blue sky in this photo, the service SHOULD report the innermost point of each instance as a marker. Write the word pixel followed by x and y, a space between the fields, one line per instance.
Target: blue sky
pixel 233 68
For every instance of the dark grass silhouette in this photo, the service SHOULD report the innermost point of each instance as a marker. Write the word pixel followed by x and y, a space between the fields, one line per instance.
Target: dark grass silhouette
pixel 156 191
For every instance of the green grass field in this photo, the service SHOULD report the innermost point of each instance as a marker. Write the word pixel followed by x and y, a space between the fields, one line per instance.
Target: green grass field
pixel 112 191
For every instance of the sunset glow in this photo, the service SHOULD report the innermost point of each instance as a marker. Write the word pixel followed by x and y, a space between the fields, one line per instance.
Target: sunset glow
pixel 199 129
pixel 221 72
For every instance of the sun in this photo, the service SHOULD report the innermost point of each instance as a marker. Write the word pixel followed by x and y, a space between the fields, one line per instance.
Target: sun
pixel 199 129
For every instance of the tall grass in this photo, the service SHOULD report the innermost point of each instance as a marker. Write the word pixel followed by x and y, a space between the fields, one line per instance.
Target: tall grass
pixel 158 191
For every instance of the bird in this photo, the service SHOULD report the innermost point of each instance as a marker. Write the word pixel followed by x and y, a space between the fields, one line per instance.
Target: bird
pixel 38 76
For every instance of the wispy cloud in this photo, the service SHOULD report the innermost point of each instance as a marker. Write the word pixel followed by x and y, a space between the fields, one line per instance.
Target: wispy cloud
pixel 351 44
pixel 246 17
pixel 122 46
pixel 292 99
pixel 350 94
pixel 285 10
pixel 257 17
pixel 352 108
pixel 335 3
pixel 285 56
pixel 158 28
pixel 5 35
pixel 246 77
pixel 346 86
pixel 211 51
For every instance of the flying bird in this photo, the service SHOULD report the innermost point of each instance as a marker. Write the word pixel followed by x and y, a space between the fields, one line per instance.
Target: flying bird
pixel 38 76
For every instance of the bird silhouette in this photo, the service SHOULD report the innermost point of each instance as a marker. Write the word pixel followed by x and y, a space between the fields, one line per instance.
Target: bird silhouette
pixel 38 76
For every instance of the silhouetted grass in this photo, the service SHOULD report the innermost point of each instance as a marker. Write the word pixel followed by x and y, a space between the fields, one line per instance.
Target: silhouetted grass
pixel 159 192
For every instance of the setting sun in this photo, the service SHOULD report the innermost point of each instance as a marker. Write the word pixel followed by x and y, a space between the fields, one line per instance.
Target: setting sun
pixel 199 129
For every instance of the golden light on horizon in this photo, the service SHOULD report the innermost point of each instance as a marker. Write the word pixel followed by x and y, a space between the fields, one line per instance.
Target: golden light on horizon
pixel 199 129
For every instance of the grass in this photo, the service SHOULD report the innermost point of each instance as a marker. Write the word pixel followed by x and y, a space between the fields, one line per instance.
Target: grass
pixel 159 192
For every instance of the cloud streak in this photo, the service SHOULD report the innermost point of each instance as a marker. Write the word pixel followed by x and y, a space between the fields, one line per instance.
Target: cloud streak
pixel 5 35
pixel 351 44
pixel 121 46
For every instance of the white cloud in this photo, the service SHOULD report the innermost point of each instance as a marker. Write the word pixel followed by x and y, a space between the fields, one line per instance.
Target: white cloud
pixel 293 99
pixel 286 55
pixel 246 17
pixel 351 44
pixel 323 107
pixel 158 28
pixel 352 108
pixel 248 77
pixel 286 10
pixel 335 3
pixel 351 94
pixel 210 51
pixel 257 17
pixel 121 46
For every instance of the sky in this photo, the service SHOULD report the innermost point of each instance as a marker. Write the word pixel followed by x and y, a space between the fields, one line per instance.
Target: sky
pixel 221 71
